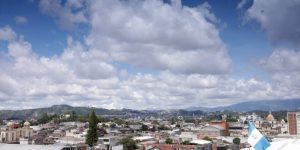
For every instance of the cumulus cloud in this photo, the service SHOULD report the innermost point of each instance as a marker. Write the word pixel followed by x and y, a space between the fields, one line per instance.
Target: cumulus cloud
pixel 242 3
pixel 7 34
pixel 148 34
pixel 154 34
pixel 65 13
pixel 80 77
pixel 28 78
pixel 87 64
pixel 21 20
pixel 181 42
pixel 283 61
pixel 279 18
pixel 284 68
pixel 170 90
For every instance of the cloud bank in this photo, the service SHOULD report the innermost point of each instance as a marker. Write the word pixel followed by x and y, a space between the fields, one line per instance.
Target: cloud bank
pixel 181 45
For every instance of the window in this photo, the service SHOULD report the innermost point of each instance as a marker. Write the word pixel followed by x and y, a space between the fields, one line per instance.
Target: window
pixel 106 140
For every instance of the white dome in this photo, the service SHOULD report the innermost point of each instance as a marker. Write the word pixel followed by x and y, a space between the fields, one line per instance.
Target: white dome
pixel 26 123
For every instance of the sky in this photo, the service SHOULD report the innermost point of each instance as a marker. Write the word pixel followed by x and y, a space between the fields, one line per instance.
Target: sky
pixel 148 54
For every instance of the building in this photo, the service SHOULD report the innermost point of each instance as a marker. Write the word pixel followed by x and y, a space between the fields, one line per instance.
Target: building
pixel 235 129
pixel 41 147
pixel 223 124
pixel 169 147
pixel 270 118
pixel 187 136
pixel 108 142
pixel 211 131
pixel 284 127
pixel 12 133
pixel 293 123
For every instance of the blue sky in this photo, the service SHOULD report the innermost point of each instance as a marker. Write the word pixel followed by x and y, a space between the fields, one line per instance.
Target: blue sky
pixel 130 44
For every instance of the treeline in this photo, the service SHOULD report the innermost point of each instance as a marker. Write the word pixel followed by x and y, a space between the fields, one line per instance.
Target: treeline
pixel 67 117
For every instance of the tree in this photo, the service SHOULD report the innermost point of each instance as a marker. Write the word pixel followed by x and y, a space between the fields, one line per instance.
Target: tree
pixel 92 134
pixel 231 120
pixel 74 116
pixel 128 144
pixel 185 142
pixel 163 127
pixel 113 125
pixel 236 144
pixel 236 141
pixel 144 127
pixel 169 141
pixel 119 121
pixel 44 118
pixel 173 120
pixel 207 138
pixel 82 118
pixel 153 129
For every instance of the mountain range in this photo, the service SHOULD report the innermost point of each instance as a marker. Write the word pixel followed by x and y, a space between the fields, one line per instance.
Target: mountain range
pixel 267 105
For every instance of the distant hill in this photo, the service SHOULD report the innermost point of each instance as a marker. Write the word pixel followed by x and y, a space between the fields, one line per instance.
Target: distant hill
pixel 266 105
pixel 57 109
pixel 84 111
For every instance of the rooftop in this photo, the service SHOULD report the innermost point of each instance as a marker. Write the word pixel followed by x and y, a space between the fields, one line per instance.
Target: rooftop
pixel 30 147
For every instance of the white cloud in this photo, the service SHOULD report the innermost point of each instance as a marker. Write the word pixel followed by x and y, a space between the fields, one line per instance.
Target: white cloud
pixel 182 43
pixel 241 4
pixel 284 68
pixel 76 76
pixel 21 20
pixel 279 18
pixel 65 13
pixel 157 35
pixel 281 21
pixel 169 90
pixel 19 49
pixel 86 64
pixel 148 34
pixel 7 34
pixel 79 77
pixel 28 80
pixel 284 60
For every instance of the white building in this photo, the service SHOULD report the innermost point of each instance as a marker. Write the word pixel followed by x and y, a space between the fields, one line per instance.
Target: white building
pixel 187 136
pixel 11 133
pixel 108 142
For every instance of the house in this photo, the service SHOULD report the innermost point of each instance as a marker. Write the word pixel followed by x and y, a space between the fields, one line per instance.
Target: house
pixel 170 147
pixel 187 136
pixel 211 131
pixel 223 124
pixel 108 142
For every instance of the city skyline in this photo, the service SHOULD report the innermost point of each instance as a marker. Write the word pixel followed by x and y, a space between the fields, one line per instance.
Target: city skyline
pixel 149 54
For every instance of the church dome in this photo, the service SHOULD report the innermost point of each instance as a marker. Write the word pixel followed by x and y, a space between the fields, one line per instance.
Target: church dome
pixel 270 117
pixel 26 123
